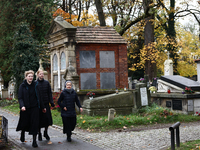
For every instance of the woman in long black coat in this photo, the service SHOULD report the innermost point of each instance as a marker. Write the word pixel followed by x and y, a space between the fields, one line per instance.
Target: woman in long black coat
pixel 67 101
pixel 46 97
pixel 29 102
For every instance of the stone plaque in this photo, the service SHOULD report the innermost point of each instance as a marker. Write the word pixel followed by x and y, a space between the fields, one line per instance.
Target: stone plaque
pixel 107 80
pixel 168 104
pixel 177 104
pixel 190 105
pixel 107 59
pixel 144 98
pixel 87 59
pixel 88 80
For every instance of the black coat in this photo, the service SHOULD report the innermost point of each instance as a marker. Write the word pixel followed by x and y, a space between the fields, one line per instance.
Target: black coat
pixel 45 91
pixel 68 100
pixel 23 96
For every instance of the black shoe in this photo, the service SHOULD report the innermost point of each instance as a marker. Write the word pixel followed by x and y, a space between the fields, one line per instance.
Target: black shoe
pixel 40 137
pixel 69 139
pixel 46 135
pixel 22 138
pixel 34 144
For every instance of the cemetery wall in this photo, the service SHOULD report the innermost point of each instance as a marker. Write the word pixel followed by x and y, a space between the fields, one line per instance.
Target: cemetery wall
pixel 120 69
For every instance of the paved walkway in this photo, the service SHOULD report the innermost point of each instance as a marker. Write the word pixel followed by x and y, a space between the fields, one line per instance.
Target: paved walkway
pixel 155 139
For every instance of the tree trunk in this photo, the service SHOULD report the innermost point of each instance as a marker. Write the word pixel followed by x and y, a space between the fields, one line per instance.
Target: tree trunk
pixel 171 33
pixel 100 12
pixel 150 68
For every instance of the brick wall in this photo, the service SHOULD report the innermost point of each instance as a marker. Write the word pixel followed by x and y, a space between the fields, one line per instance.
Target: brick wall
pixel 121 66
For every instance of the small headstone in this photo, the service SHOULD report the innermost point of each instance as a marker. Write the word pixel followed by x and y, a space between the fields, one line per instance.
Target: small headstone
pixel 130 82
pixel 111 114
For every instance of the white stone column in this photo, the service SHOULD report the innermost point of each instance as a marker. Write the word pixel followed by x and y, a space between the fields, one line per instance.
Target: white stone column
pixel 58 55
pixel 198 70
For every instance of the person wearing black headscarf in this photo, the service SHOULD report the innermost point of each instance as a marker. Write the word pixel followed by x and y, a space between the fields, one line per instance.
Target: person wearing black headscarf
pixel 67 101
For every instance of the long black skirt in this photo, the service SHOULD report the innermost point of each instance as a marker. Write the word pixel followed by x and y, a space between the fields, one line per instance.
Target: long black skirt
pixel 46 118
pixel 29 121
pixel 69 124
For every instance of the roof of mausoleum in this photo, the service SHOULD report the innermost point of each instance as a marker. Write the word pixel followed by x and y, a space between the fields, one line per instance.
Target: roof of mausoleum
pixel 98 35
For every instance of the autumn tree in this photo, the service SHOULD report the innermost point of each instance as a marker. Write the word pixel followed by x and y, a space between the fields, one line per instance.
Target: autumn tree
pixel 26 53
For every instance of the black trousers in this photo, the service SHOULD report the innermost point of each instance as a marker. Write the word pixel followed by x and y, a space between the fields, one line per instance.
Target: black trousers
pixel 69 124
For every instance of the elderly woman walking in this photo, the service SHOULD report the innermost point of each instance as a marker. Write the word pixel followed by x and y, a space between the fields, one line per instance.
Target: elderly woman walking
pixel 67 101
pixel 29 102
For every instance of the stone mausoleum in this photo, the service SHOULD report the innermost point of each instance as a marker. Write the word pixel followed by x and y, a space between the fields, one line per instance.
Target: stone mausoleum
pixel 96 57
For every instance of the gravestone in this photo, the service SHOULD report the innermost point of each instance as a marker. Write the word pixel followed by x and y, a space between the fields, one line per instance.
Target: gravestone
pixel 143 95
pixel 107 80
pixel 130 82
pixel 111 114
pixel 190 105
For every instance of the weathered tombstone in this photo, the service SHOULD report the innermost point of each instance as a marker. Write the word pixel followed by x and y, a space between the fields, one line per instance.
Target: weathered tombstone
pixel 130 82
pixel 143 95
pixel 190 105
pixel 111 114
pixel 134 83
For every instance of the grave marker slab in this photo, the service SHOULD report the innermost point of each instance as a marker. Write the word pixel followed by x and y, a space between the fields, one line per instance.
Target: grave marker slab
pixel 190 105
pixel 144 98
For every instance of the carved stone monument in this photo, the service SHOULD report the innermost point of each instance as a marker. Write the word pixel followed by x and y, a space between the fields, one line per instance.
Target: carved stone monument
pixel 41 68
pixel 70 74
pixel 168 66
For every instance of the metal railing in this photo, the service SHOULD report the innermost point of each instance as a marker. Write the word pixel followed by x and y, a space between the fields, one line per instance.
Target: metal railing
pixel 172 128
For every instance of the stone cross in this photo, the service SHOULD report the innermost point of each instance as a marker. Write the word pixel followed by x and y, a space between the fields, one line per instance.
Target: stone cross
pixel 168 54
pixel 40 62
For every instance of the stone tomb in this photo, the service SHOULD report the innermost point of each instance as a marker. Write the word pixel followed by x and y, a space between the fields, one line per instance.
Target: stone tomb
pixel 98 55
pixel 176 99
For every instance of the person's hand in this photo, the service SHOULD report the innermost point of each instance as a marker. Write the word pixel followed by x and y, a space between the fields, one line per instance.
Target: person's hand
pixel 44 110
pixel 81 109
pixel 65 108
pixel 23 108
pixel 52 105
